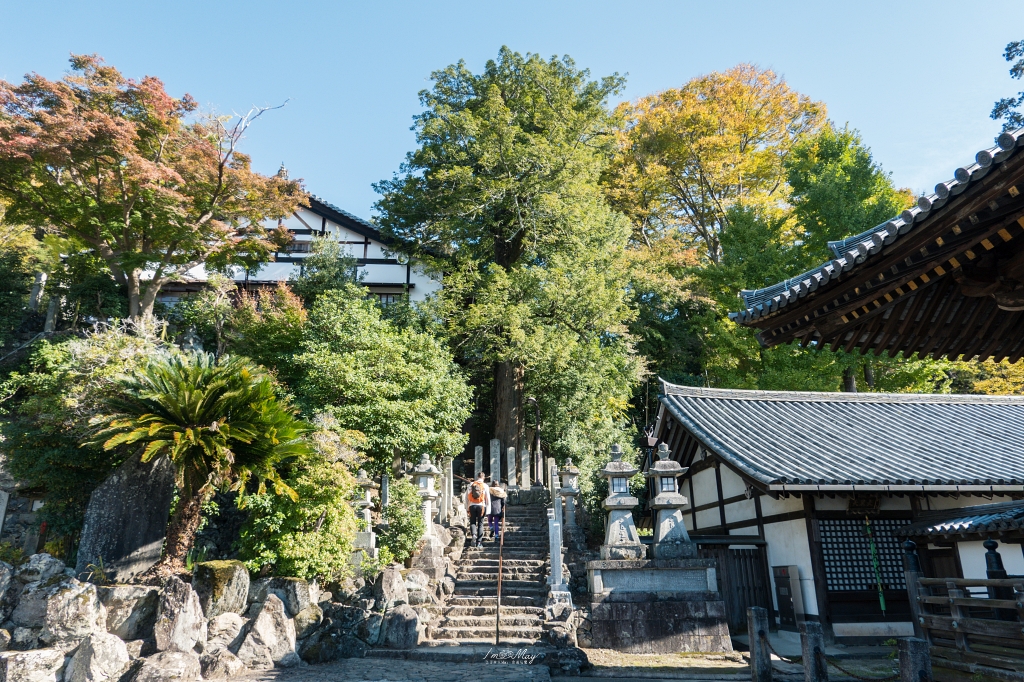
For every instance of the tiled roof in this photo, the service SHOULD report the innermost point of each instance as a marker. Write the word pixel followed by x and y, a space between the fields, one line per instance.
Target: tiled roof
pixel 793 441
pixel 981 520
pixel 857 249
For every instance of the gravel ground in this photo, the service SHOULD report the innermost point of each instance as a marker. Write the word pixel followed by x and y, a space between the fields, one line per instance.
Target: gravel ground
pixel 391 670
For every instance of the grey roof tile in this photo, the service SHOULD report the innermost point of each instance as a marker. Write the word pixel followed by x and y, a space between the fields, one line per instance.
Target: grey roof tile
pixel 844 440
pixel 982 520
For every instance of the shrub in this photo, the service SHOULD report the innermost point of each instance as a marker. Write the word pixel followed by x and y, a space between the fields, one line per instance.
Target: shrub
pixel 404 518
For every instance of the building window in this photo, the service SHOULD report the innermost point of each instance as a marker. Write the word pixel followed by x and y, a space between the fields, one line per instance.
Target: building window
pixel 297 247
pixel 850 563
pixel 388 299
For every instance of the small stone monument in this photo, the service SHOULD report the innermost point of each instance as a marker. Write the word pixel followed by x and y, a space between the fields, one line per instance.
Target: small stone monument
pixel 510 462
pixel 366 541
pixel 430 559
pixel 495 461
pixel 478 460
pixel 574 536
pixel 671 541
pixel 621 541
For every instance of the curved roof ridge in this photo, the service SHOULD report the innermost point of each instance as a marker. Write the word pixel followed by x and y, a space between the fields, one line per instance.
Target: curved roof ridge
pixel 835 397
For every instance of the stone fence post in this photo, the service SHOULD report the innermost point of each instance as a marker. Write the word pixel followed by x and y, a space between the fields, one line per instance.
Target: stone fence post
pixel 912 572
pixel 812 646
pixel 915 660
pixel 760 655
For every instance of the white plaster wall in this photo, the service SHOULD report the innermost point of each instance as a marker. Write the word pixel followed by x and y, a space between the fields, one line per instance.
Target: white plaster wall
pixel 732 483
pixel 770 506
pixel 895 503
pixel 705 488
pixel 826 503
pixel 706 518
pixel 740 511
pixel 972 558
pixel 787 546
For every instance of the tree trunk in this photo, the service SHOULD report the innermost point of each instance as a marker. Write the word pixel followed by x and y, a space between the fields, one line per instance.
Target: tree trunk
pixel 869 374
pixel 148 298
pixel 132 278
pixel 181 532
pixel 508 405
pixel 849 381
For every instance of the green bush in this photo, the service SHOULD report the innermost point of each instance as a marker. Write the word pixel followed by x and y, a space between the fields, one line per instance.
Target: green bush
pixel 404 517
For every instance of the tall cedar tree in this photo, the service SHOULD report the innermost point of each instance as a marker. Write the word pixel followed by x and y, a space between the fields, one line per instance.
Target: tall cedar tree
pixel 115 164
pixel 502 195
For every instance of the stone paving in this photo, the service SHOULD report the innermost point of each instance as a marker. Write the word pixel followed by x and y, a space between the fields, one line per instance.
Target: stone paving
pixel 392 670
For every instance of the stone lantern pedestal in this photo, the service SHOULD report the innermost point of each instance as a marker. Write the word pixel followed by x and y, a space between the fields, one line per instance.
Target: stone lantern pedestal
pixel 621 541
pixel 430 558
pixel 575 537
pixel 666 604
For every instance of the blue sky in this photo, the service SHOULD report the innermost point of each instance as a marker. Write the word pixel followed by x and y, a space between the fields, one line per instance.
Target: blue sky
pixel 918 79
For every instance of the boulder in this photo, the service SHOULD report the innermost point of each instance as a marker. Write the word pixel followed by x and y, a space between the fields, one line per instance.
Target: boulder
pixel 169 666
pixel 100 657
pixel 401 628
pixel 326 647
pixel 41 665
pixel 389 588
pixel 369 628
pixel 24 639
pixel 225 632
pixel 442 534
pixel 307 620
pixel 179 617
pixel 31 609
pixel 294 592
pixel 416 580
pixel 222 586
pixel 67 611
pixel 271 637
pixel 220 664
pixel 39 568
pixel 419 597
pixel 126 519
pixel 5 640
pixel 131 609
pixel 134 648
pixel 10 589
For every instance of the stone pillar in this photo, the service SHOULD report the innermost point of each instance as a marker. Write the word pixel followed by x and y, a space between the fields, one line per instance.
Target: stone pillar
pixel 495 461
pixel 671 541
pixel 510 462
pixel 385 491
pixel 449 489
pixel 621 541
pixel 812 646
pixel 912 572
pixel 570 488
pixel 478 460
pixel 524 468
pixel 552 473
pixel 915 660
pixel 760 656
pixel 555 543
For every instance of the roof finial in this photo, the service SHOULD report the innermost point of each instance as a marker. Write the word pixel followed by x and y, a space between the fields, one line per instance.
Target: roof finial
pixel 282 172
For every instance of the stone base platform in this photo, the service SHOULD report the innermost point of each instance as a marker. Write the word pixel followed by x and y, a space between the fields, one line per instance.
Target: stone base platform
pixel 657 606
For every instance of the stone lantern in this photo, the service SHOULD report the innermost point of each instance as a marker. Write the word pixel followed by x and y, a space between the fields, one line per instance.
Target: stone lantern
pixel 570 489
pixel 621 541
pixel 365 540
pixel 425 474
pixel 671 540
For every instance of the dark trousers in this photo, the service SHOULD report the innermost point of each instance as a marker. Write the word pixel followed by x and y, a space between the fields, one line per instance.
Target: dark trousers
pixel 495 522
pixel 476 522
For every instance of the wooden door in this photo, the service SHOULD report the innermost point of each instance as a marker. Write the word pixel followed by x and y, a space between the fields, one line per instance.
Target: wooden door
pixel 742 581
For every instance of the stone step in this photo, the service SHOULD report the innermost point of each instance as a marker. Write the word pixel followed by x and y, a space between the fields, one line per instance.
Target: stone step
pixel 506 562
pixel 489 610
pixel 489 601
pixel 511 620
pixel 463 634
pixel 486 552
pixel 478 590
pixel 506 575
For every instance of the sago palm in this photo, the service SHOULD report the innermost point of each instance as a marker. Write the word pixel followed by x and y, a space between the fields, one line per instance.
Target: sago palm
pixel 218 422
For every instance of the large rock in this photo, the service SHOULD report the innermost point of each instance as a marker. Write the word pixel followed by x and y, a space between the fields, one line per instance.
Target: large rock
pixel 67 611
pixel 126 519
pixel 39 568
pixel 401 628
pixel 41 665
pixel 271 637
pixel 10 590
pixel 389 588
pixel 100 657
pixel 179 618
pixel 307 620
pixel 222 586
pixel 294 592
pixel 225 632
pixel 131 609
pixel 220 664
pixel 5 640
pixel 170 666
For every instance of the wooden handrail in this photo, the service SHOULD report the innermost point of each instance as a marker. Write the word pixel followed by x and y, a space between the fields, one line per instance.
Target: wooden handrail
pixel 972 582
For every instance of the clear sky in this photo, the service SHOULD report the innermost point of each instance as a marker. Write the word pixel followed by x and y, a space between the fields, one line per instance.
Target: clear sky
pixel 918 79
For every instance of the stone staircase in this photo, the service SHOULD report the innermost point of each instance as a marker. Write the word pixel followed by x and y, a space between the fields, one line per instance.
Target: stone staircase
pixel 469 615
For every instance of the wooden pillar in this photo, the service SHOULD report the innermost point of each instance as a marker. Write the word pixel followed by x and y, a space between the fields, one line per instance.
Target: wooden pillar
pixel 812 645
pixel 915 660
pixel 912 573
pixel 760 655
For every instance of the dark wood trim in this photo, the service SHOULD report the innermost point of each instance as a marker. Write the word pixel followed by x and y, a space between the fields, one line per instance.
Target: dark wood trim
pixel 760 514
pixel 721 502
pixel 693 513
pixel 728 501
pixel 749 523
pixel 818 569
pixel 323 225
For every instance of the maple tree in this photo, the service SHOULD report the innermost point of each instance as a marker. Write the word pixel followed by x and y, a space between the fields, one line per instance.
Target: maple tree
pixel 125 169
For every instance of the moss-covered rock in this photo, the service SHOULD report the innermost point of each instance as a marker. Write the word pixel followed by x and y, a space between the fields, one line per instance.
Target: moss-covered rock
pixel 222 586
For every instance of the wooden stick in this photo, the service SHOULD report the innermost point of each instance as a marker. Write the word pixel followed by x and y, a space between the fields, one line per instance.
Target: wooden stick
pixel 501 547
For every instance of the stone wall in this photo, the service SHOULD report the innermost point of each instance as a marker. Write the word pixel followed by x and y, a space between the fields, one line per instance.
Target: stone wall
pixel 659 622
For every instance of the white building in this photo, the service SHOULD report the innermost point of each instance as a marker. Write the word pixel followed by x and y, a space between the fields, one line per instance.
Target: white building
pixel 805 498
pixel 386 274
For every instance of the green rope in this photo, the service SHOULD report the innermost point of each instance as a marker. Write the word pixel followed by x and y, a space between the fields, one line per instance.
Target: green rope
pixel 874 562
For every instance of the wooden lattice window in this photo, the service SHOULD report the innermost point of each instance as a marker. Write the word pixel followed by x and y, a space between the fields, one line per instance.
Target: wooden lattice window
pixel 849 564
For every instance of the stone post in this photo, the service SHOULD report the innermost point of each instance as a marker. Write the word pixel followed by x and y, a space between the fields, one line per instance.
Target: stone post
pixel 915 660
pixel 524 468
pixel 385 491
pixel 812 646
pixel 449 489
pixel 510 462
pixel 425 474
pixel 555 542
pixel 671 541
pixel 552 474
pixel 478 460
pixel 994 570
pixel 495 461
pixel 760 655
pixel 621 541
pixel 570 476
pixel 912 571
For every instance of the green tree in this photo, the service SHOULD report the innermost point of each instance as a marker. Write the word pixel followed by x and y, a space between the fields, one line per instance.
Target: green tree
pixel 1009 108
pixel 403 518
pixel 116 165
pixel 398 387
pixel 220 424
pixel 502 195
pixel 327 267
pixel 21 256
